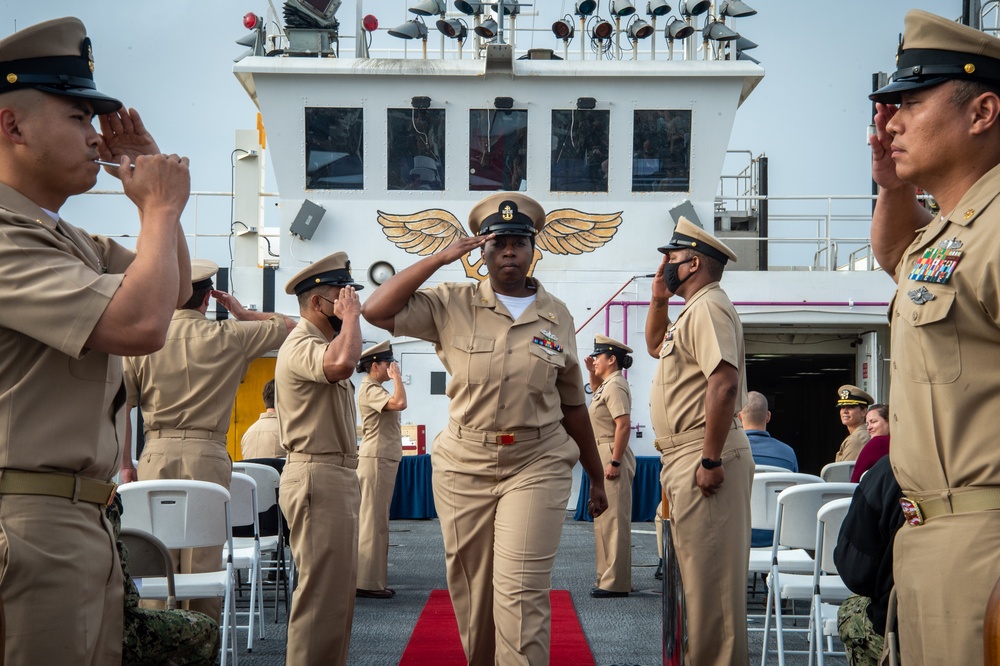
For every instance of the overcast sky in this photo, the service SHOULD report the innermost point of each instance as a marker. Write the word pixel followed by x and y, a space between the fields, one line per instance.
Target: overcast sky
pixel 172 60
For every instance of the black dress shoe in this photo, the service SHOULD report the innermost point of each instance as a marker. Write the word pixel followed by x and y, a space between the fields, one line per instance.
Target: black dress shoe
pixel 598 593
pixel 658 574
pixel 387 593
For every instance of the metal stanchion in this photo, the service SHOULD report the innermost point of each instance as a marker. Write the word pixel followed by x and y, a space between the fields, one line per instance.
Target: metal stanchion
pixel 674 611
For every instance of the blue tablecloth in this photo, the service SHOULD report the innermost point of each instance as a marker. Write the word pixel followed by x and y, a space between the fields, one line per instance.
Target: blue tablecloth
pixel 645 491
pixel 412 497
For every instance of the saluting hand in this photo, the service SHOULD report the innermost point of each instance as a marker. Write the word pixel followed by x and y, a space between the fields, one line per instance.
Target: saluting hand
pixel 393 370
pixel 231 304
pixel 123 134
pixel 462 247
pixel 659 288
pixel 883 166
pixel 589 362
pixel 347 304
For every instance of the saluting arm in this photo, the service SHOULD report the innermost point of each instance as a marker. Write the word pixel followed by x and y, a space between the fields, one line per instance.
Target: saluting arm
pixel 380 309
pixel 397 402
pixel 657 318
pixel 344 351
pixel 897 215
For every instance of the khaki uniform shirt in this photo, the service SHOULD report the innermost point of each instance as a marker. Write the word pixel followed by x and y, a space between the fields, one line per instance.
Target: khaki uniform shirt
pixel 945 393
pixel 381 435
pixel 706 333
pixel 314 416
pixel 191 383
pixel 502 371
pixel 851 447
pixel 262 439
pixel 60 404
pixel 612 399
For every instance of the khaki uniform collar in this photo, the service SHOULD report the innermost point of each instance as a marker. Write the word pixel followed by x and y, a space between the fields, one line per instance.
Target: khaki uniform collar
pixel 188 314
pixel 17 203
pixel 973 202
pixel 485 297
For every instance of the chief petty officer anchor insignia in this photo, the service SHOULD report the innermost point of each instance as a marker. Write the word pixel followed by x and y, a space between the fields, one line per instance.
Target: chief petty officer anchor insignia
pixel 936 266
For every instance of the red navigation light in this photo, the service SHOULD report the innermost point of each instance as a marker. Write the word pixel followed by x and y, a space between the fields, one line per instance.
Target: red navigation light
pixel 250 20
pixel 603 30
pixel 369 23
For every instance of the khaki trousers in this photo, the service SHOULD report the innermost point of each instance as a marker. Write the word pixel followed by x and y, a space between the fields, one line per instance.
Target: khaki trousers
pixel 378 479
pixel 944 572
pixel 321 502
pixel 712 540
pixel 613 528
pixel 195 460
pixel 61 583
pixel 502 509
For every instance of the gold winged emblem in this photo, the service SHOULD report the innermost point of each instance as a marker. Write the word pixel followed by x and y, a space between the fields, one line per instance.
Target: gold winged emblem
pixel 566 231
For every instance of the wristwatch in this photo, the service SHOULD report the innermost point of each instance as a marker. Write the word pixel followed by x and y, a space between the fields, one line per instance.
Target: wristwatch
pixel 616 463
pixel 708 463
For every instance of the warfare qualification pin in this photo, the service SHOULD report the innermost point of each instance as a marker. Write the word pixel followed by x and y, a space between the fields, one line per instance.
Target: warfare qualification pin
pixel 921 295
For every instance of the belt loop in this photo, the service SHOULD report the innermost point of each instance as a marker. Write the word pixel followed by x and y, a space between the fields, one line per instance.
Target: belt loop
pixel 76 489
pixel 947 500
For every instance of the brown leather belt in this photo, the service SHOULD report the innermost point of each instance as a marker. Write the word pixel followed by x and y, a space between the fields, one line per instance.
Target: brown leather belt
pixel 167 433
pixel 76 488
pixel 918 511
pixel 502 438
pixel 348 460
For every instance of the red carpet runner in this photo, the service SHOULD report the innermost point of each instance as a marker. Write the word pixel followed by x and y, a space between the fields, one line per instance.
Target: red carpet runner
pixel 435 639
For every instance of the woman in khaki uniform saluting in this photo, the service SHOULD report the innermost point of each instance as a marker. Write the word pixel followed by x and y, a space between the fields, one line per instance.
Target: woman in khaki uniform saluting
pixel 503 467
pixel 610 415
pixel 378 459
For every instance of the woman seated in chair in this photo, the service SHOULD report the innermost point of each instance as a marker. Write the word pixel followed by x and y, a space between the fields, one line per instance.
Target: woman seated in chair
pixel 877 422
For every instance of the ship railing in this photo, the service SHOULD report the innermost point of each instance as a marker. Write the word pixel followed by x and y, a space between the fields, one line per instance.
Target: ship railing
pixel 807 232
pixel 803 233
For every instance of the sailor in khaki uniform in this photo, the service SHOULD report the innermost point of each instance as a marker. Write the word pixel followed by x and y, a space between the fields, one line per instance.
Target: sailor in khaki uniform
pixel 67 310
pixel 320 495
pixel 502 468
pixel 944 137
pixel 379 456
pixel 698 389
pixel 610 416
pixel 186 393
pixel 262 439
pixel 853 404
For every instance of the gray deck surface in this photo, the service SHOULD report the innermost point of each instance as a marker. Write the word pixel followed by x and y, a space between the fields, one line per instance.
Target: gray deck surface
pixel 620 631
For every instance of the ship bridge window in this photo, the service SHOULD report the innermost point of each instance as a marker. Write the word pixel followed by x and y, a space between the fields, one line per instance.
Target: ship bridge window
pixel 661 151
pixel 579 150
pixel 335 149
pixel 498 149
pixel 416 149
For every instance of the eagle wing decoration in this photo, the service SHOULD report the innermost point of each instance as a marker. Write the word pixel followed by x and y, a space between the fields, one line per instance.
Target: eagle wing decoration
pixel 422 233
pixel 570 231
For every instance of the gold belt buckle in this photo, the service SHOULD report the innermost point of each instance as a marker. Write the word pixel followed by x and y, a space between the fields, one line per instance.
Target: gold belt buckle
pixel 911 511
pixel 505 438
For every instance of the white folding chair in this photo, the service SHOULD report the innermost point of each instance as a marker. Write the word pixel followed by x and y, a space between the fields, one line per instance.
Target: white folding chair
pixel 271 545
pixel 838 472
pixel 148 557
pixel 795 527
pixel 829 590
pixel 186 514
pixel 246 550
pixel 764 491
pixel 761 469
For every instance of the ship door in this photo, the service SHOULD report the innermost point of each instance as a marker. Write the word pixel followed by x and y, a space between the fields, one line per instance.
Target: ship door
pixel 870 360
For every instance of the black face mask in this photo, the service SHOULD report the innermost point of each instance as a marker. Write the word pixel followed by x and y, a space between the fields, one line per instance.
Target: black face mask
pixel 336 322
pixel 670 276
